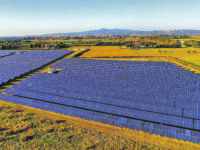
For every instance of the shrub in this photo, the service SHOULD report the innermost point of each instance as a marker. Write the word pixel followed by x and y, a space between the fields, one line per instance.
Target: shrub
pixel 62 129
pixel 1 109
pixel 42 119
pixel 30 133
pixel 50 122
pixel 23 138
pixel 23 119
pixel 2 128
pixel 8 132
pixel 28 136
pixel 49 129
pixel 10 116
pixel 60 121
pixel 16 109
pixel 70 127
pixel 22 127
pixel 1 138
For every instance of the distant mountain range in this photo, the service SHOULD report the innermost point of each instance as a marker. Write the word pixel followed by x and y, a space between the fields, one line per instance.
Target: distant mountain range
pixel 127 32
pixel 103 31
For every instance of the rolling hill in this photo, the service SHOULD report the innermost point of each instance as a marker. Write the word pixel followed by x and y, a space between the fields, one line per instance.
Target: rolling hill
pixel 127 32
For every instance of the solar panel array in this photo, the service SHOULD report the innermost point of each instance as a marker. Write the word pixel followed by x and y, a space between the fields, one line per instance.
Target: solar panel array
pixel 19 64
pixel 155 97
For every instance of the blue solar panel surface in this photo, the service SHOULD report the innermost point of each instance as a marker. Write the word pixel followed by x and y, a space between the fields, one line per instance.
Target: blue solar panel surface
pixel 4 53
pixel 155 97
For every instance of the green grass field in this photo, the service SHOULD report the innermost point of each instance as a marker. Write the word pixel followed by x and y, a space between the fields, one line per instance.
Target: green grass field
pixel 190 57
pixel 194 59
pixel 173 52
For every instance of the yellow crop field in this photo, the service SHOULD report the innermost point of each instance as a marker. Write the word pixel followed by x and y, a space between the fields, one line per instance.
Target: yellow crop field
pixel 108 51
pixel 111 51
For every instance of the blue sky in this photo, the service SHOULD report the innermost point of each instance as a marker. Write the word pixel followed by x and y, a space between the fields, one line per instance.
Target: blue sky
pixel 25 17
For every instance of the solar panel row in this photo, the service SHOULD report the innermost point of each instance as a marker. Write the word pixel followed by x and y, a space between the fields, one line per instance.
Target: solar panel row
pixel 109 101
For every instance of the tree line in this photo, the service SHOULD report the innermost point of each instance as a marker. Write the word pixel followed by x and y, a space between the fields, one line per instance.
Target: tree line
pixel 150 41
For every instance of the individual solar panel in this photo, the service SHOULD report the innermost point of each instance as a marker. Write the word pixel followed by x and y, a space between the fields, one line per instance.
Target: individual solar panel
pixel 197 124
pixel 191 114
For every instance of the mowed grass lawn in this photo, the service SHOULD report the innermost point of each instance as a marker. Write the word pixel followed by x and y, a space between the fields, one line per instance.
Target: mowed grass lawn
pixel 108 51
pixel 192 59
pixel 23 127
pixel 191 55
pixel 111 51
pixel 173 52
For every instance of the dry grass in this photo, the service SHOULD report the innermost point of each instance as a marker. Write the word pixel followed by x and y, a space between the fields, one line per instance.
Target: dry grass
pixel 107 51
pixel 38 129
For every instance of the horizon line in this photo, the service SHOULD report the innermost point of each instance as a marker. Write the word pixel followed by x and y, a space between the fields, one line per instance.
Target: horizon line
pixel 1 36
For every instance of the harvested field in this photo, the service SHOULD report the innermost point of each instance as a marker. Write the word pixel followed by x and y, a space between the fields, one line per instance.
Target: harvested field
pixel 107 51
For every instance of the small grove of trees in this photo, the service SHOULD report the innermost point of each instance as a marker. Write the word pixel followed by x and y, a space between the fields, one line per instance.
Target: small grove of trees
pixel 192 43
pixel 30 45
pixel 37 45
pixel 62 45
pixel 8 46
pixel 109 43
pixel 177 44
pixel 127 44
pixel 180 36
pixel 130 44
pixel 150 44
